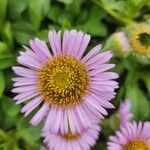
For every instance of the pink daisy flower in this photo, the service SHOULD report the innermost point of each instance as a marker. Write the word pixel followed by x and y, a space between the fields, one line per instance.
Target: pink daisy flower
pixel 65 83
pixel 78 141
pixel 135 136
pixel 125 114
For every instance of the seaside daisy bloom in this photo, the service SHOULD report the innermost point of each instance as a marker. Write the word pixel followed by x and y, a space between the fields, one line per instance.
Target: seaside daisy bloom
pixel 77 141
pixel 135 136
pixel 124 113
pixel 65 83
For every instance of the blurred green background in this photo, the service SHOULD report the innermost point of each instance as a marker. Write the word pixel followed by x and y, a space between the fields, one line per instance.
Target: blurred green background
pixel 21 20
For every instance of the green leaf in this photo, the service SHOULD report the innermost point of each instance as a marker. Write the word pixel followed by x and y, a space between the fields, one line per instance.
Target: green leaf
pixel 9 74
pixel 66 1
pixel 22 37
pixel 24 26
pixel 75 8
pixel 146 78
pixel 16 8
pixel 3 136
pixel 7 61
pixel 9 106
pixel 93 24
pixel 4 49
pixel 31 134
pixel 43 35
pixel 27 132
pixel 6 58
pixel 119 6
pixel 59 15
pixel 37 9
pixel 2 83
pixel 134 7
pixel 3 9
pixel 140 105
pixel 8 35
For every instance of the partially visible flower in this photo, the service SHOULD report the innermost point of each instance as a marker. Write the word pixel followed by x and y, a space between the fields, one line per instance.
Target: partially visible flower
pixel 64 83
pixel 119 43
pixel 77 141
pixel 124 113
pixel 139 38
pixel 135 136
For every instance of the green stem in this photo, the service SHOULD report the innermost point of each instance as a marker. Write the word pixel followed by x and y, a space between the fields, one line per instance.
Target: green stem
pixel 118 17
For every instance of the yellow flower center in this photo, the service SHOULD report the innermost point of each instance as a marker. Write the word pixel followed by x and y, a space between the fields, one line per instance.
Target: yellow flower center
pixel 145 38
pixel 70 136
pixel 136 145
pixel 63 81
pixel 140 39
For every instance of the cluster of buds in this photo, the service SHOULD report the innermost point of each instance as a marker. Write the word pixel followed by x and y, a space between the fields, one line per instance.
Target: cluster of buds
pixel 134 40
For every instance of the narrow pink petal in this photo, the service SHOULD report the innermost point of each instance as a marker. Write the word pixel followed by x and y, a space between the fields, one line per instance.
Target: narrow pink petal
pixel 50 119
pixel 96 105
pixel 76 120
pixel 83 117
pixel 23 89
pixel 22 71
pixel 71 121
pixel 102 102
pixel 42 45
pixel 101 88
pixel 83 45
pixel 37 49
pixel 71 40
pixel 77 43
pixel 32 108
pixel 66 121
pixel 62 130
pixel 55 42
pixel 27 62
pixel 65 41
pixel 99 59
pixel 101 69
pixel 109 84
pixel 24 83
pixel 36 119
pixel 58 120
pixel 94 51
pixel 95 112
pixel 106 76
pixel 25 96
pixel 23 79
pixel 31 104
pixel 29 53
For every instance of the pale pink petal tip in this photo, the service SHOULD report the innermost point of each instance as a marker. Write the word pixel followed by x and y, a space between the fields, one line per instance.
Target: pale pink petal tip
pixel 132 131
pixel 124 113
pixel 85 140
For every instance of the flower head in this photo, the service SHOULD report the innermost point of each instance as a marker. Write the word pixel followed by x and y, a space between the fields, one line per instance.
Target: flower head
pixel 80 141
pixel 124 113
pixel 65 84
pixel 135 136
pixel 139 37
pixel 119 43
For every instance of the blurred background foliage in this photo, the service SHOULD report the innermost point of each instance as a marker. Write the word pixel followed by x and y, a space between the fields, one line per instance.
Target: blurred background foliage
pixel 21 20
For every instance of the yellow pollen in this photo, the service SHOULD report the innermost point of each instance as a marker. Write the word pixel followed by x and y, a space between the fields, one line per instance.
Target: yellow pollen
pixel 70 136
pixel 63 81
pixel 136 145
